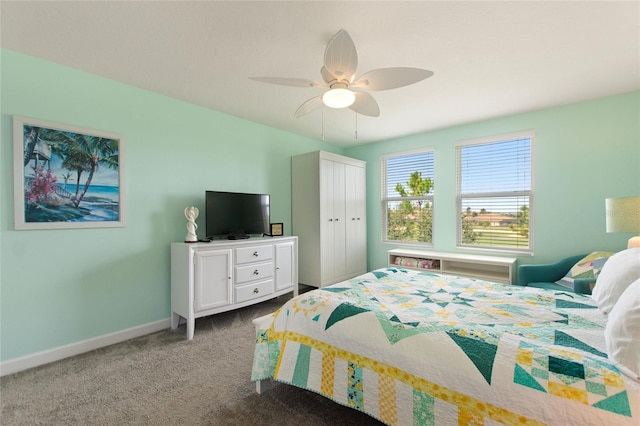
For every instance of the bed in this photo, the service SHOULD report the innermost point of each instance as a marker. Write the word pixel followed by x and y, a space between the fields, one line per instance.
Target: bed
pixel 418 348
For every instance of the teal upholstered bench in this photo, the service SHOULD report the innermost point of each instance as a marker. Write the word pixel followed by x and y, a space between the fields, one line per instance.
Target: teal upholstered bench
pixel 546 275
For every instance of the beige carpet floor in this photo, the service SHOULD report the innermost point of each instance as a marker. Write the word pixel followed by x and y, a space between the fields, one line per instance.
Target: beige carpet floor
pixel 161 379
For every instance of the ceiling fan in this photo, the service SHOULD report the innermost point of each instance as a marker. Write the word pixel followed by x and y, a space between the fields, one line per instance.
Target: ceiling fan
pixel 338 73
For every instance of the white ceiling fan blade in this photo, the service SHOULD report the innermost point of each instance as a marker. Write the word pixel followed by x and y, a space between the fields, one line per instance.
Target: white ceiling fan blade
pixel 391 78
pixel 365 104
pixel 326 75
pixel 284 81
pixel 309 106
pixel 340 56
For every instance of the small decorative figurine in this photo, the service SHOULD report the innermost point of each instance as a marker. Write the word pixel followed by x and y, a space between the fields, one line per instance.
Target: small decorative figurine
pixel 191 213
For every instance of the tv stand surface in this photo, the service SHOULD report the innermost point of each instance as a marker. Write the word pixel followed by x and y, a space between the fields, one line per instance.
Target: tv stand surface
pixel 238 236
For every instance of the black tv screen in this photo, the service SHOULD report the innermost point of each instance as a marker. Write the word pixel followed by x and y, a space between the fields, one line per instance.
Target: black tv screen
pixel 236 214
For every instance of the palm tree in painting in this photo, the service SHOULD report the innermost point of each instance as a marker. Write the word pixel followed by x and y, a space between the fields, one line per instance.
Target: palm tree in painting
pixel 86 153
pixel 96 151
pixel 66 178
pixel 81 153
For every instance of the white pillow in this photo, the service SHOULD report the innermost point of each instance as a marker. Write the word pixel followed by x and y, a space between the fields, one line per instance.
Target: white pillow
pixel 622 333
pixel 617 274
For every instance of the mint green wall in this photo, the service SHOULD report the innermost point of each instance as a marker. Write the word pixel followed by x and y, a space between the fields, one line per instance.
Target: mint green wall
pixel 583 153
pixel 63 286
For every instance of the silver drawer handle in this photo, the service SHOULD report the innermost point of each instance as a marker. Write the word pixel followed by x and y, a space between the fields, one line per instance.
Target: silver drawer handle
pixel 256 272
pixel 255 254
pixel 256 291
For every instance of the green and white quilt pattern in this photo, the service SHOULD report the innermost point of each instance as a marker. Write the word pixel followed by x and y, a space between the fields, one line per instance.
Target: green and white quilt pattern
pixel 536 356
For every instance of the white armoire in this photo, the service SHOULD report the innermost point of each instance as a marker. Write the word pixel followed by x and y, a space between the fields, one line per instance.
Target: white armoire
pixel 329 217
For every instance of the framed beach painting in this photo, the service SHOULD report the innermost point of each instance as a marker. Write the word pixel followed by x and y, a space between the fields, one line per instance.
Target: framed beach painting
pixel 66 176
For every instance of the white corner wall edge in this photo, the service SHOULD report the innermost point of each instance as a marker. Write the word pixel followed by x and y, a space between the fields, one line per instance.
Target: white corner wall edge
pixel 56 354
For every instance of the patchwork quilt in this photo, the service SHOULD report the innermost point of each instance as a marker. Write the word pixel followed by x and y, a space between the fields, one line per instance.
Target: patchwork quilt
pixel 418 348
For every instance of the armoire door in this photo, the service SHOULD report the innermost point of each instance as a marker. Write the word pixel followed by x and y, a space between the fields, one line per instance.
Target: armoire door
pixel 356 224
pixel 332 217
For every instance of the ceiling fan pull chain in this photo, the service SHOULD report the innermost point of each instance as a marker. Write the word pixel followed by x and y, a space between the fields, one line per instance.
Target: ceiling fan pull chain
pixel 322 133
pixel 356 123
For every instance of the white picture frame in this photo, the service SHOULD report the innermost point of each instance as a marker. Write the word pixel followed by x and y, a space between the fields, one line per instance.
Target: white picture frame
pixel 67 176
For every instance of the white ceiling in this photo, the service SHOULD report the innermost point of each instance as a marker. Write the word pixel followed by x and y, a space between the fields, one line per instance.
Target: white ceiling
pixel 490 59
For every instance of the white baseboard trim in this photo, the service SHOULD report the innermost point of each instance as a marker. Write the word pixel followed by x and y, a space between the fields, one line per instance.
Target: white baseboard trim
pixel 40 358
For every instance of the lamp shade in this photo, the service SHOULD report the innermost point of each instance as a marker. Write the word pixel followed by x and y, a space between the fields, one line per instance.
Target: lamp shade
pixel 623 214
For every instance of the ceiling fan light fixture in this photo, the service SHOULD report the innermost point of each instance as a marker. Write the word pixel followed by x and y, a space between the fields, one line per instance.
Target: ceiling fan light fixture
pixel 338 98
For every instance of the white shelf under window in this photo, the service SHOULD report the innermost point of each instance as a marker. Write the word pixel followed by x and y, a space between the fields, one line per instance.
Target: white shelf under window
pixel 490 268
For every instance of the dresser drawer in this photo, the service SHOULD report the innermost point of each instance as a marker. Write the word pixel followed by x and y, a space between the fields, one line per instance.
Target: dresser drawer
pixel 253 291
pixel 253 272
pixel 254 254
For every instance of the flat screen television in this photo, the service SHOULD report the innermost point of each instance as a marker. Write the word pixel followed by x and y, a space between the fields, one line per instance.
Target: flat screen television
pixel 236 215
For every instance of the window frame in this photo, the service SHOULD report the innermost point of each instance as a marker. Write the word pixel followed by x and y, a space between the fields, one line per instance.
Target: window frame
pixel 527 134
pixel 385 199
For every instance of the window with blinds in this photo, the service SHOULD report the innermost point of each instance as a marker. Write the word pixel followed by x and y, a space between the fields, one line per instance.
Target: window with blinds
pixel 407 197
pixel 495 195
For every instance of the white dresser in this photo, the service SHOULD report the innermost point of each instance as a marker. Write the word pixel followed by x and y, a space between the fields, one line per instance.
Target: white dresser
pixel 209 278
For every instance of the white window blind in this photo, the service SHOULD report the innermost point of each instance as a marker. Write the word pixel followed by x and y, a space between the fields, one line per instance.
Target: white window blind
pixel 495 193
pixel 407 197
